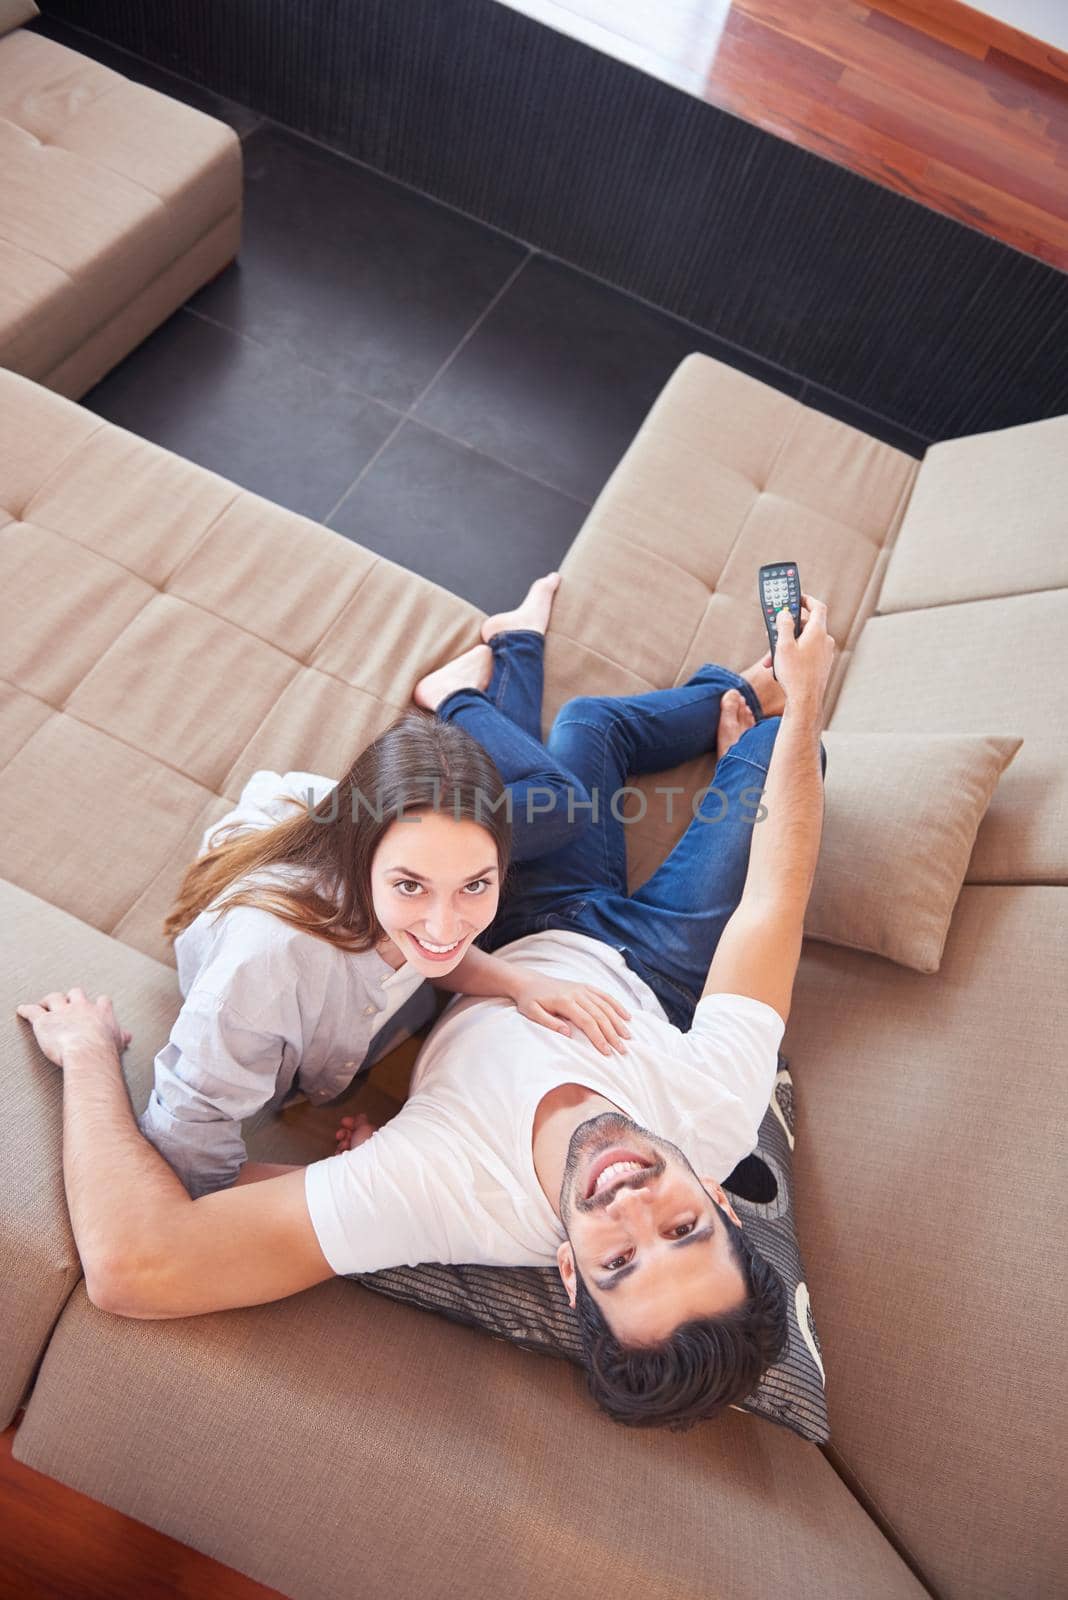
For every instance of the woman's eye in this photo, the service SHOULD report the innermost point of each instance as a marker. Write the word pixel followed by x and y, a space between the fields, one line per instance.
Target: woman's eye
pixel 687 1227
pixel 408 883
pixel 611 1265
pixel 477 885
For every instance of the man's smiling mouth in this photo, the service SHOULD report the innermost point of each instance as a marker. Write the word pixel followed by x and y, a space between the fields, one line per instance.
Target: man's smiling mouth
pixel 612 1166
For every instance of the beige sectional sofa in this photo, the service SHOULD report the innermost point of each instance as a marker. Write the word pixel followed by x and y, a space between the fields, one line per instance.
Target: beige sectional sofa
pixel 116 204
pixel 167 633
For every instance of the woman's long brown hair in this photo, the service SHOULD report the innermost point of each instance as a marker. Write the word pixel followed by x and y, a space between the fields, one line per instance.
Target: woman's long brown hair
pixel 418 763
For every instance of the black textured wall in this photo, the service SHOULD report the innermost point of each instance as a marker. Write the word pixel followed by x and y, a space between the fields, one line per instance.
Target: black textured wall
pixel 933 325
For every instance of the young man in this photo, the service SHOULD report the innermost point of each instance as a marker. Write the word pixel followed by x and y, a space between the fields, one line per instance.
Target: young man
pixel 517 1146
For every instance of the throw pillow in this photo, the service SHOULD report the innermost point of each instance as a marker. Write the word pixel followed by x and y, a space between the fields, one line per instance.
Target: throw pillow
pixel 901 812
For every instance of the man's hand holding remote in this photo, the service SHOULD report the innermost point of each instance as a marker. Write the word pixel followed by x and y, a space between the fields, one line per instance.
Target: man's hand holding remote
pixel 803 663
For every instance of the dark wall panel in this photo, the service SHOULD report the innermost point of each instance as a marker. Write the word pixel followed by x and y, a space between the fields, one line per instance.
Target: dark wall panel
pixel 929 323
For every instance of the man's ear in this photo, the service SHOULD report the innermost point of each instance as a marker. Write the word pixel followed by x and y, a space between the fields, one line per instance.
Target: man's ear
pixel 721 1197
pixel 565 1261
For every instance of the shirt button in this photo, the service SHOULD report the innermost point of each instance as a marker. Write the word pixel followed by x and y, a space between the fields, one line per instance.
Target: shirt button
pixel 367 1010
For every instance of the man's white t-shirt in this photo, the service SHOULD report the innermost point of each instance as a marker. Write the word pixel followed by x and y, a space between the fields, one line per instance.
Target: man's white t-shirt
pixel 451 1177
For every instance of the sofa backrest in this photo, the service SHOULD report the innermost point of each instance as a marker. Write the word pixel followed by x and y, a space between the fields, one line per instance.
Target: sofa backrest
pixel 724 475
pixel 965 631
pixel 171 632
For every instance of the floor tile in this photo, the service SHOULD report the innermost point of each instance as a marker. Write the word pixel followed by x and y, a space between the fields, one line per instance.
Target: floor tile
pixel 357 276
pixel 264 421
pixel 559 376
pixel 461 519
pixel 835 405
pixel 240 118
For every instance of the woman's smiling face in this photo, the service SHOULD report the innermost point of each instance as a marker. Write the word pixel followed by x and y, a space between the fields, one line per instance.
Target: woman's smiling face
pixel 435 883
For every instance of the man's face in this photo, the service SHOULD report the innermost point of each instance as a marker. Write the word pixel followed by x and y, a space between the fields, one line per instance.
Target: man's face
pixel 626 1228
pixel 435 883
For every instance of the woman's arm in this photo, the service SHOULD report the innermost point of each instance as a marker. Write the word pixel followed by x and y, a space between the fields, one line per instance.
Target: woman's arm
pixel 479 973
pixel 553 1002
pixel 215 1070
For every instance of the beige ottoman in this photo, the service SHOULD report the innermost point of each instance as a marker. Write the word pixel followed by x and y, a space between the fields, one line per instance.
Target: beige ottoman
pixel 116 204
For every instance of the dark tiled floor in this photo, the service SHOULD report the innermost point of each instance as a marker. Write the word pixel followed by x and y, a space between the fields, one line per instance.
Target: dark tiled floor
pixel 411 377
pixel 276 426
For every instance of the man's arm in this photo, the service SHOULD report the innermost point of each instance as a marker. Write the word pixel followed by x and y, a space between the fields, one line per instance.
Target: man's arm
pixel 147 1249
pixel 759 949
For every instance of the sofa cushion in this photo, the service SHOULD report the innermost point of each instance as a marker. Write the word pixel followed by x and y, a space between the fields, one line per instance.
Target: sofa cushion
pixel 334 1442
pixel 900 817
pixel 723 475
pixel 930 1194
pixel 981 667
pixel 986 518
pixel 528 1305
pixel 104 184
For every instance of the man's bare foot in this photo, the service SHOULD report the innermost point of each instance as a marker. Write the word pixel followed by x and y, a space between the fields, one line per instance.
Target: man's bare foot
pixel 472 670
pixel 532 614
pixel 354 1131
pixel 769 691
pixel 734 717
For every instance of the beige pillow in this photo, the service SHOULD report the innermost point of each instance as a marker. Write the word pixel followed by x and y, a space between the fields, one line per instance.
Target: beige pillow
pixel 13 13
pixel 901 812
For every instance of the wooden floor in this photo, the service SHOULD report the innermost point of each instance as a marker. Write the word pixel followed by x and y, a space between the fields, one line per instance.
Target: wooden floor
pixel 57 1544
pixel 926 97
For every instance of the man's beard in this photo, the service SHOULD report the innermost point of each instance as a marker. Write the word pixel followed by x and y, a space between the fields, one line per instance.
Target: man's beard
pixel 601 1133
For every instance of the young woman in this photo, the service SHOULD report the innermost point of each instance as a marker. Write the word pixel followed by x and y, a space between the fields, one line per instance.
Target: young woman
pixel 310 927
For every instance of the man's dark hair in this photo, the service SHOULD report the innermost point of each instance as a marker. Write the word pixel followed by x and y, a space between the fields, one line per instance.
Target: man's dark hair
pixel 702 1367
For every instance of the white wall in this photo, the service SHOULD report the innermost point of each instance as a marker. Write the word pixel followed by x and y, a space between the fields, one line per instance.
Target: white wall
pixel 1042 19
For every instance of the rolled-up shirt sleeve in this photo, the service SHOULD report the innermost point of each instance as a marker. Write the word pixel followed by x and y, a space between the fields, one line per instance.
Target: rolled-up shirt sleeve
pixel 215 1070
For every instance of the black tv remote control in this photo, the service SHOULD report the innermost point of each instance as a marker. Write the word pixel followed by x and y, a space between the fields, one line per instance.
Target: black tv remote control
pixel 779 586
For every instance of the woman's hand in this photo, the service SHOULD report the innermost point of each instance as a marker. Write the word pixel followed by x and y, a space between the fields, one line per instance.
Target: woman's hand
pixel 555 1003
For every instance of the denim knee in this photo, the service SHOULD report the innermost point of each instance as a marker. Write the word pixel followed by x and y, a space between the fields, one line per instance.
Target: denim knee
pixel 588 708
pixel 762 735
pixel 570 797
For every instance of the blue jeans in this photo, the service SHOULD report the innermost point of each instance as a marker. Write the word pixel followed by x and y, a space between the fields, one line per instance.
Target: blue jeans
pixel 506 721
pixel 668 930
